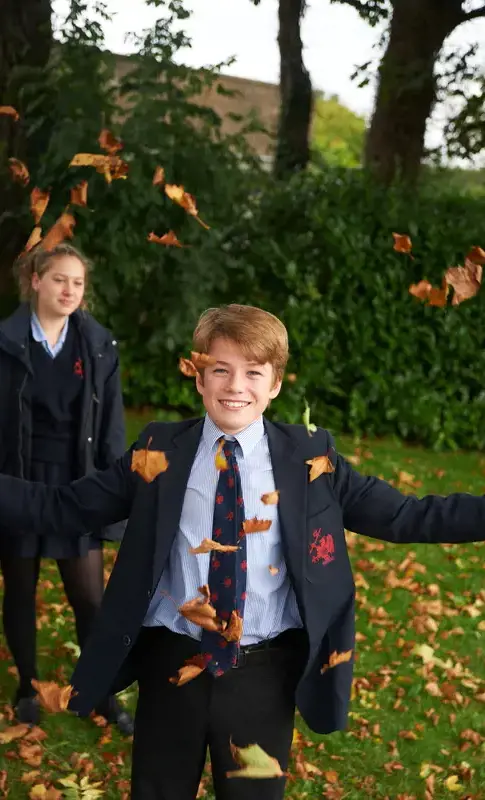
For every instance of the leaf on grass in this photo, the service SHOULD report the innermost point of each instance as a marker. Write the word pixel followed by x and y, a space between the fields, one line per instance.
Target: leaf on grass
pixel 420 290
pixel 158 176
pixel 453 785
pixel 337 658
pixel 52 697
pixel 256 525
pixel 185 200
pixel 34 238
pixel 271 498
pixel 149 463
pixel 311 428
pixel 320 465
pixel 31 753
pixel 220 458
pixel 466 281
pixel 190 670
pixel 402 243
pixel 62 229
pixel 39 201
pixel 19 171
pixel 200 611
pixel 168 239
pixel 234 630
pixel 107 141
pixel 254 763
pixel 476 255
pixel 202 360
pixel 30 776
pixel 10 111
pixel 187 368
pixel 207 545
pixel 41 792
pixel 79 194
pixel 15 732
pixel 273 570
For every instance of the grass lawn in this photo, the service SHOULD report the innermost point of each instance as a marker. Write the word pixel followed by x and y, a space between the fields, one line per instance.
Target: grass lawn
pixel 414 726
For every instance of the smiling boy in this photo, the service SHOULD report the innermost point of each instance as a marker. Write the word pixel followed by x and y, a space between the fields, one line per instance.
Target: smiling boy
pixel 290 583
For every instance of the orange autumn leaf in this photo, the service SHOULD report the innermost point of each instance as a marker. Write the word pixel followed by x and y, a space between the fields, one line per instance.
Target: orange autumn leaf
pixel 12 733
pixel 420 290
pixel 41 792
pixel 202 360
pixel 79 194
pixel 437 297
pixel 31 753
pixel 38 203
pixel 337 658
pixel 187 201
pixel 52 697
pixel 19 171
pixel 158 176
pixel 190 670
pixel 200 611
pixel 10 111
pixel 169 239
pixel 476 255
pixel 320 465
pixel 402 243
pixel 207 545
pixel 256 525
pixel 273 570
pixel 62 229
pixel 271 498
pixel 112 167
pixel 187 368
pixel 149 463
pixel 33 239
pixel 234 630
pixel 220 458
pixel 107 141
pixel 466 281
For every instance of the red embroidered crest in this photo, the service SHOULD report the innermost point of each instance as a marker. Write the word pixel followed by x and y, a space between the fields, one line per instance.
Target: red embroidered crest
pixel 78 368
pixel 322 548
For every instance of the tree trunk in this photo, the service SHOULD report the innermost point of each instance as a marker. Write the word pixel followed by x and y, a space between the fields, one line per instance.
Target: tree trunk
pixel 407 87
pixel 296 99
pixel 25 44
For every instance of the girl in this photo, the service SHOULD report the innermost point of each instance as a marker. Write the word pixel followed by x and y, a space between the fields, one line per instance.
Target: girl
pixel 61 416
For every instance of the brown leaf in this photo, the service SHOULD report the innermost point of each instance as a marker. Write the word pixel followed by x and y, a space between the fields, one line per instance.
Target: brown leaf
pixel 38 203
pixel 273 570
pixel 29 777
pixel 190 670
pixel 476 255
pixel 107 141
pixel 158 176
pixel 31 753
pixel 112 167
pixel 79 194
pixel 10 111
pixel 200 611
pixel 320 465
pixel 185 200
pixel 202 360
pixel 149 463
pixel 52 697
pixel 62 229
pixel 466 281
pixel 41 792
pixel 234 630
pixel 34 238
pixel 220 458
pixel 15 732
pixel 187 368
pixel 437 297
pixel 420 290
pixel 402 243
pixel 256 525
pixel 207 545
pixel 169 239
pixel 271 498
pixel 19 171
pixel 337 658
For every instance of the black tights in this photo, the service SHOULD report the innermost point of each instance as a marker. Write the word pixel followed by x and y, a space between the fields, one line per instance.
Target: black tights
pixel 83 583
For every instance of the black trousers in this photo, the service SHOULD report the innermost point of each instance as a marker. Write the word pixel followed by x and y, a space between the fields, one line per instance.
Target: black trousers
pixel 174 726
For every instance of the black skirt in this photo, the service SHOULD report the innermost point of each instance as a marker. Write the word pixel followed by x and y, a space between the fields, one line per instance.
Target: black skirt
pixel 28 545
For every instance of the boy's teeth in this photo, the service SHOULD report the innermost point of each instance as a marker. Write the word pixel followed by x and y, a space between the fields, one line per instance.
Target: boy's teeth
pixel 233 404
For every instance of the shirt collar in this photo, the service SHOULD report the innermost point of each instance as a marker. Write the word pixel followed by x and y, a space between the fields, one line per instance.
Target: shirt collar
pixel 38 332
pixel 247 438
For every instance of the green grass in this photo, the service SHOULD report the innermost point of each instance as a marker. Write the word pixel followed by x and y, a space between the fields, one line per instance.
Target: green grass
pixel 399 733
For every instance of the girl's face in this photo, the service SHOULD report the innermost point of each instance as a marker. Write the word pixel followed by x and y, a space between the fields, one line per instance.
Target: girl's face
pixel 60 290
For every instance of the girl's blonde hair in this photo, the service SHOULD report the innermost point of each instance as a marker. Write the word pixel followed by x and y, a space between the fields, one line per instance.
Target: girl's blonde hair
pixel 40 261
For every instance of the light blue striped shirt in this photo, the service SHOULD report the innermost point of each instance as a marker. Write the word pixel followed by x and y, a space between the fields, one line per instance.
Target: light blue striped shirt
pixel 270 606
pixel 39 336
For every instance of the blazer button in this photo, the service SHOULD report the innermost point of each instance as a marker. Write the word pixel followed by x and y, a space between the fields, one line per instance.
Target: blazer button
pixel 126 640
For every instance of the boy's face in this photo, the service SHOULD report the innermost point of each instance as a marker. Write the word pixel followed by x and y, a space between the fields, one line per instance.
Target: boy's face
pixel 235 391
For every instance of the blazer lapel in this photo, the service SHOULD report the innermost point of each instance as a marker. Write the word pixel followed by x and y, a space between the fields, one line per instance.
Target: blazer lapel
pixel 171 493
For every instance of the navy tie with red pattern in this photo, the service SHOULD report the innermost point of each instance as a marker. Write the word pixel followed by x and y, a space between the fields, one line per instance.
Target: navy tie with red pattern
pixel 227 571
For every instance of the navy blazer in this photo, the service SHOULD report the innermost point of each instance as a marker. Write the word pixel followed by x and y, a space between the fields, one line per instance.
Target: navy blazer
pixel 313 517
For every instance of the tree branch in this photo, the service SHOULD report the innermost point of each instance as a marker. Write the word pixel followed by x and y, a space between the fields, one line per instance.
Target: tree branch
pixel 475 14
pixel 372 11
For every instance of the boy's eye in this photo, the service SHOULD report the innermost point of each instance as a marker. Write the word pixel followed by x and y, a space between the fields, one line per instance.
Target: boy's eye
pixel 220 369
pixel 254 372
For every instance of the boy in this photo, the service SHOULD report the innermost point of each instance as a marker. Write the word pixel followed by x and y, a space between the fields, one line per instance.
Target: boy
pixel 289 582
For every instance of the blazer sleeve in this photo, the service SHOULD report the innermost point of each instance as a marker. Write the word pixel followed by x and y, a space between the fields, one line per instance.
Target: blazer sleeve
pixel 374 508
pixel 112 427
pixel 98 499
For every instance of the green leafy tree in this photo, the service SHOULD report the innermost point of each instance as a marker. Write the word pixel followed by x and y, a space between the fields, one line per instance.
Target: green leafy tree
pixel 337 133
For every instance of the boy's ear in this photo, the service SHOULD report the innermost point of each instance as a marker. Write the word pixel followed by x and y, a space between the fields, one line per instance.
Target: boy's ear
pixel 199 382
pixel 275 390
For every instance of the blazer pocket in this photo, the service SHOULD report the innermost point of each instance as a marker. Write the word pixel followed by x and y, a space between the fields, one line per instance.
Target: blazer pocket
pixel 326 550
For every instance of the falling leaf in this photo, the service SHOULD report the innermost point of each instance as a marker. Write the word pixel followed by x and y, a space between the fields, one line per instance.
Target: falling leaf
pixel 254 762
pixel 256 525
pixel 234 630
pixel 220 458
pixel 79 194
pixel 466 281
pixel 52 697
pixel 311 428
pixel 149 463
pixel 402 243
pixel 107 141
pixel 202 360
pixel 10 111
pixel 15 732
pixel 190 670
pixel 38 203
pixel 112 167
pixel 200 611
pixel 34 238
pixel 169 239
pixel 19 171
pixel 337 658
pixel 320 465
pixel 158 176
pixel 453 785
pixel 185 200
pixel 476 255
pixel 187 368
pixel 62 229
pixel 271 498
pixel 207 545
pixel 273 570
